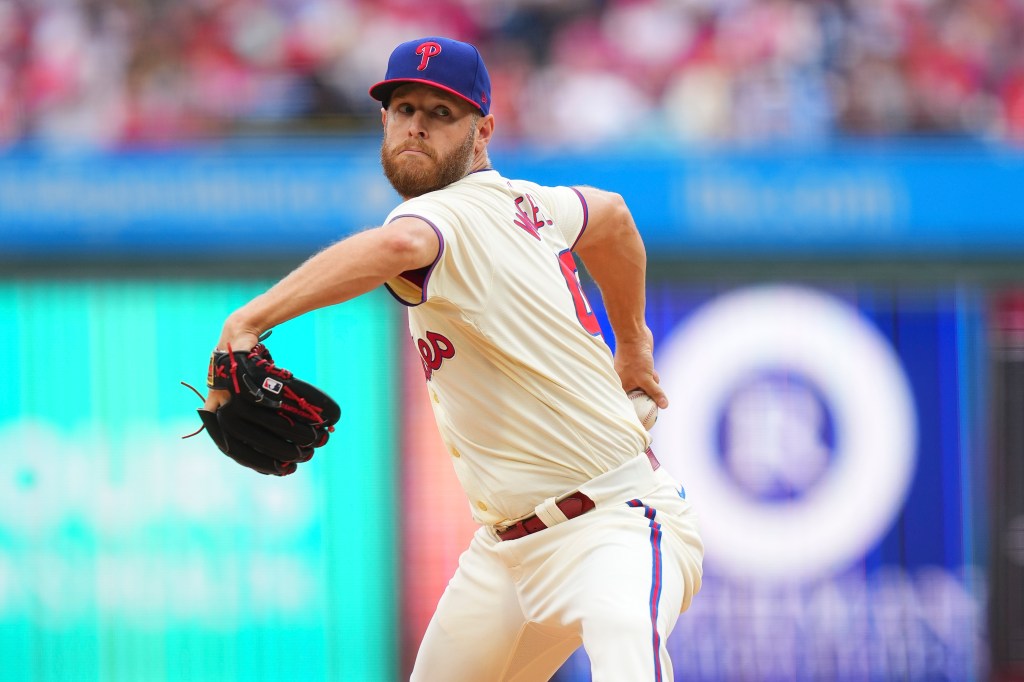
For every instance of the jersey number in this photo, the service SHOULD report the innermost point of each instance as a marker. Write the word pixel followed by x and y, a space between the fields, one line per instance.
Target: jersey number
pixel 584 313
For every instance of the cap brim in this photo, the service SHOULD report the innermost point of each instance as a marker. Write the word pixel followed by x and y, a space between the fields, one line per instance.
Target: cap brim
pixel 382 91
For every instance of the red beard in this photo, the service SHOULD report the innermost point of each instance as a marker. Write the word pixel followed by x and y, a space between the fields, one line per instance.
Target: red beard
pixel 413 177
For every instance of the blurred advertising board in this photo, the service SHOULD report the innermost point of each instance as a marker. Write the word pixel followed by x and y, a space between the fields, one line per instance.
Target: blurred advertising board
pixel 294 196
pixel 127 553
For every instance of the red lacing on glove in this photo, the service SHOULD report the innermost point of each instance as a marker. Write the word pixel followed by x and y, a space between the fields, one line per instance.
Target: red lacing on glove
pixel 303 408
pixel 234 369
pixel 261 357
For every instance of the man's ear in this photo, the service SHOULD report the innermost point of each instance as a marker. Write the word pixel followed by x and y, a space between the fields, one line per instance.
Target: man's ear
pixel 485 129
pixel 384 117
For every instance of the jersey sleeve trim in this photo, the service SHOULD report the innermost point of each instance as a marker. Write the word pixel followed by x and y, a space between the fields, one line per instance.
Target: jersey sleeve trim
pixel 586 218
pixel 420 277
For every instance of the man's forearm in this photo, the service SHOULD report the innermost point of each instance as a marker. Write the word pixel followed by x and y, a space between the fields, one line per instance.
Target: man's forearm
pixel 340 272
pixel 620 274
pixel 613 252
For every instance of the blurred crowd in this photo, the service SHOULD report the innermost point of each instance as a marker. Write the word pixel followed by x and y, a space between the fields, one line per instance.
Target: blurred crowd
pixel 125 73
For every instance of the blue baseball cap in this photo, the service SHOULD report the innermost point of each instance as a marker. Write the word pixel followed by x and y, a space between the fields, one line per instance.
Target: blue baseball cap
pixel 450 65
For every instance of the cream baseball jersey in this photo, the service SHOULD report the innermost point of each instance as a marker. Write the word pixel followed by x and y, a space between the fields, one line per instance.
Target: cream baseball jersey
pixel 522 384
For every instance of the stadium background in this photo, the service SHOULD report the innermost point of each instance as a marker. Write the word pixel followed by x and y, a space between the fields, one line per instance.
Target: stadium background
pixel 829 192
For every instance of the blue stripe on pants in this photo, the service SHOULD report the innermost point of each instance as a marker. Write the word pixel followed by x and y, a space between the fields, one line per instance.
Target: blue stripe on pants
pixel 650 513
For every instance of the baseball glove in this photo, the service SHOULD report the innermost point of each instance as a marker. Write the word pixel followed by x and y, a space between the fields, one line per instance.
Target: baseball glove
pixel 273 421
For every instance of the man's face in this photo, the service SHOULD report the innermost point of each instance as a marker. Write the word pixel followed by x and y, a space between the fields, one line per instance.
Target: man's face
pixel 429 139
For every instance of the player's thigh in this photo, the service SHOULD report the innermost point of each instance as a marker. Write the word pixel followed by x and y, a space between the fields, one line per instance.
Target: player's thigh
pixel 476 624
pixel 627 571
pixel 630 583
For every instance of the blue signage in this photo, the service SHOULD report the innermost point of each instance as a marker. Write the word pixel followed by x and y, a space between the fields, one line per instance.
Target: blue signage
pixel 291 197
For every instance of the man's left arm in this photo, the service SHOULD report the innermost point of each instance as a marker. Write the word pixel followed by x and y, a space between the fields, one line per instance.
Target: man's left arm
pixel 613 252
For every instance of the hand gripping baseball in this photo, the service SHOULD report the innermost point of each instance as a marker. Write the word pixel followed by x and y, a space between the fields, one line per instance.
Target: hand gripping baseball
pixel 273 421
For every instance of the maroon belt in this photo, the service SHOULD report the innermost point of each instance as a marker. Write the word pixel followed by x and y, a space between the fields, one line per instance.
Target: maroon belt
pixel 572 505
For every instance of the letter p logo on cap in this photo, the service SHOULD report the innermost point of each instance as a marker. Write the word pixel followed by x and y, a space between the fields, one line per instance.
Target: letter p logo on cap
pixel 426 51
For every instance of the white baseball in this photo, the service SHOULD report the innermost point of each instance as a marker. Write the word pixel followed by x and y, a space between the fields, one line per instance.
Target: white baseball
pixel 646 408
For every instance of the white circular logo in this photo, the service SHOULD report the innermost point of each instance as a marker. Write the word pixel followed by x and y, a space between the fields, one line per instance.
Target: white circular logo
pixel 792 427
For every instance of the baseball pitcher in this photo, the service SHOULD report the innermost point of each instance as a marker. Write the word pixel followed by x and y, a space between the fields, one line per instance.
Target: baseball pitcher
pixel 584 538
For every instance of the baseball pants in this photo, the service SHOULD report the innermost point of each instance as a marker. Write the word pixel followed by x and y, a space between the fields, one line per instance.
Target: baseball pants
pixel 614 580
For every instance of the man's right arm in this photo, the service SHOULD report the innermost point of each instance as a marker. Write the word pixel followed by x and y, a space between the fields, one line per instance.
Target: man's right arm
pixel 613 252
pixel 342 271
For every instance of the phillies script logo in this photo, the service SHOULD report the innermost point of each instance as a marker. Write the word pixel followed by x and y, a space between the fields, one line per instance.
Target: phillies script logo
pixel 426 51
pixel 433 350
pixel 529 217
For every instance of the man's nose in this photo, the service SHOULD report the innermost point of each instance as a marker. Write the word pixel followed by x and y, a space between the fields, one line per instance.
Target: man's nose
pixel 417 125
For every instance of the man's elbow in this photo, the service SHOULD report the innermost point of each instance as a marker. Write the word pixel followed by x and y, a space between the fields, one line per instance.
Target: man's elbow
pixel 614 224
pixel 409 249
pixel 621 217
